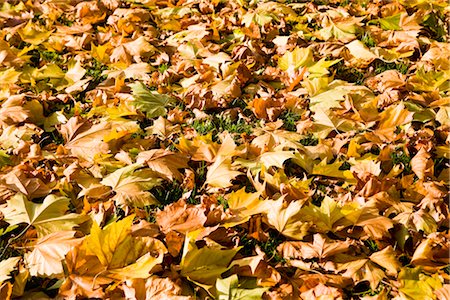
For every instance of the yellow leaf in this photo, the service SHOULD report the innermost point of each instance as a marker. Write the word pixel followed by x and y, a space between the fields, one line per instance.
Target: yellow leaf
pixel 299 57
pixel 243 205
pixel 48 217
pixel 6 267
pixel 112 244
pixel 9 76
pixel 205 265
pixel 34 34
pixel 286 218
pixel 332 170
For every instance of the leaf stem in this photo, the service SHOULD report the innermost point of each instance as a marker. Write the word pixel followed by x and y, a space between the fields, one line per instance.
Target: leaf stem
pixel 11 240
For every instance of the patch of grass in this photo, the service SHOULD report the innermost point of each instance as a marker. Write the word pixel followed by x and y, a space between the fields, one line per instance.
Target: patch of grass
pixel 401 157
pixel 382 66
pixel 51 56
pixel 203 126
pixel 269 247
pixel 290 118
pixel 222 201
pixel 167 193
pixel 372 245
pixel 163 67
pixel 342 72
pixel 95 70
pixel 309 140
pixel 217 125
pixel 367 39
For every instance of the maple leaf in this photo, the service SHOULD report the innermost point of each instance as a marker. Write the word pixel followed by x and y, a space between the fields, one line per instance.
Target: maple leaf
pixel 84 139
pixel 230 289
pixel 164 162
pixel 153 104
pixel 131 184
pixel 369 268
pixel 48 253
pixel 204 265
pixel 286 218
pixel 48 217
pixel 180 217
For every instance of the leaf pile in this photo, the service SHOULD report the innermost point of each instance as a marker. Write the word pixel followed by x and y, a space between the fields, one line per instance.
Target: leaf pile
pixel 212 149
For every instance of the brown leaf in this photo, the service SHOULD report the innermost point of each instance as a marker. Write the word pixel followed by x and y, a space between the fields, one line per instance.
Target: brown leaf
pixel 180 217
pixel 164 162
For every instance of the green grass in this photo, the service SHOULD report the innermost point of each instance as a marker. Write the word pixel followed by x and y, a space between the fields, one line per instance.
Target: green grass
pixel 352 75
pixel 95 70
pixel 290 118
pixel 218 124
pixel 309 140
pixel 163 67
pixel 381 66
pixel 269 247
pixel 401 157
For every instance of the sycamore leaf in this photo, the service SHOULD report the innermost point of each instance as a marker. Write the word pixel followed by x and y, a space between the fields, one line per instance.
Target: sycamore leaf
pixel 324 217
pixel 220 173
pixel 6 267
pixel 48 217
pixel 320 248
pixel 299 57
pixel 164 162
pixel 276 158
pixel 84 139
pixel 363 269
pixel 416 285
pixel 152 103
pixel 422 164
pixel 391 22
pixel 206 264
pixel 131 185
pixel 369 268
pixel 48 252
pixel 230 289
pixel 243 205
pixel 285 218
pixel 332 170
pixel 361 56
pixel 34 34
pixel 180 217
pixel 374 225
pixel 121 253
